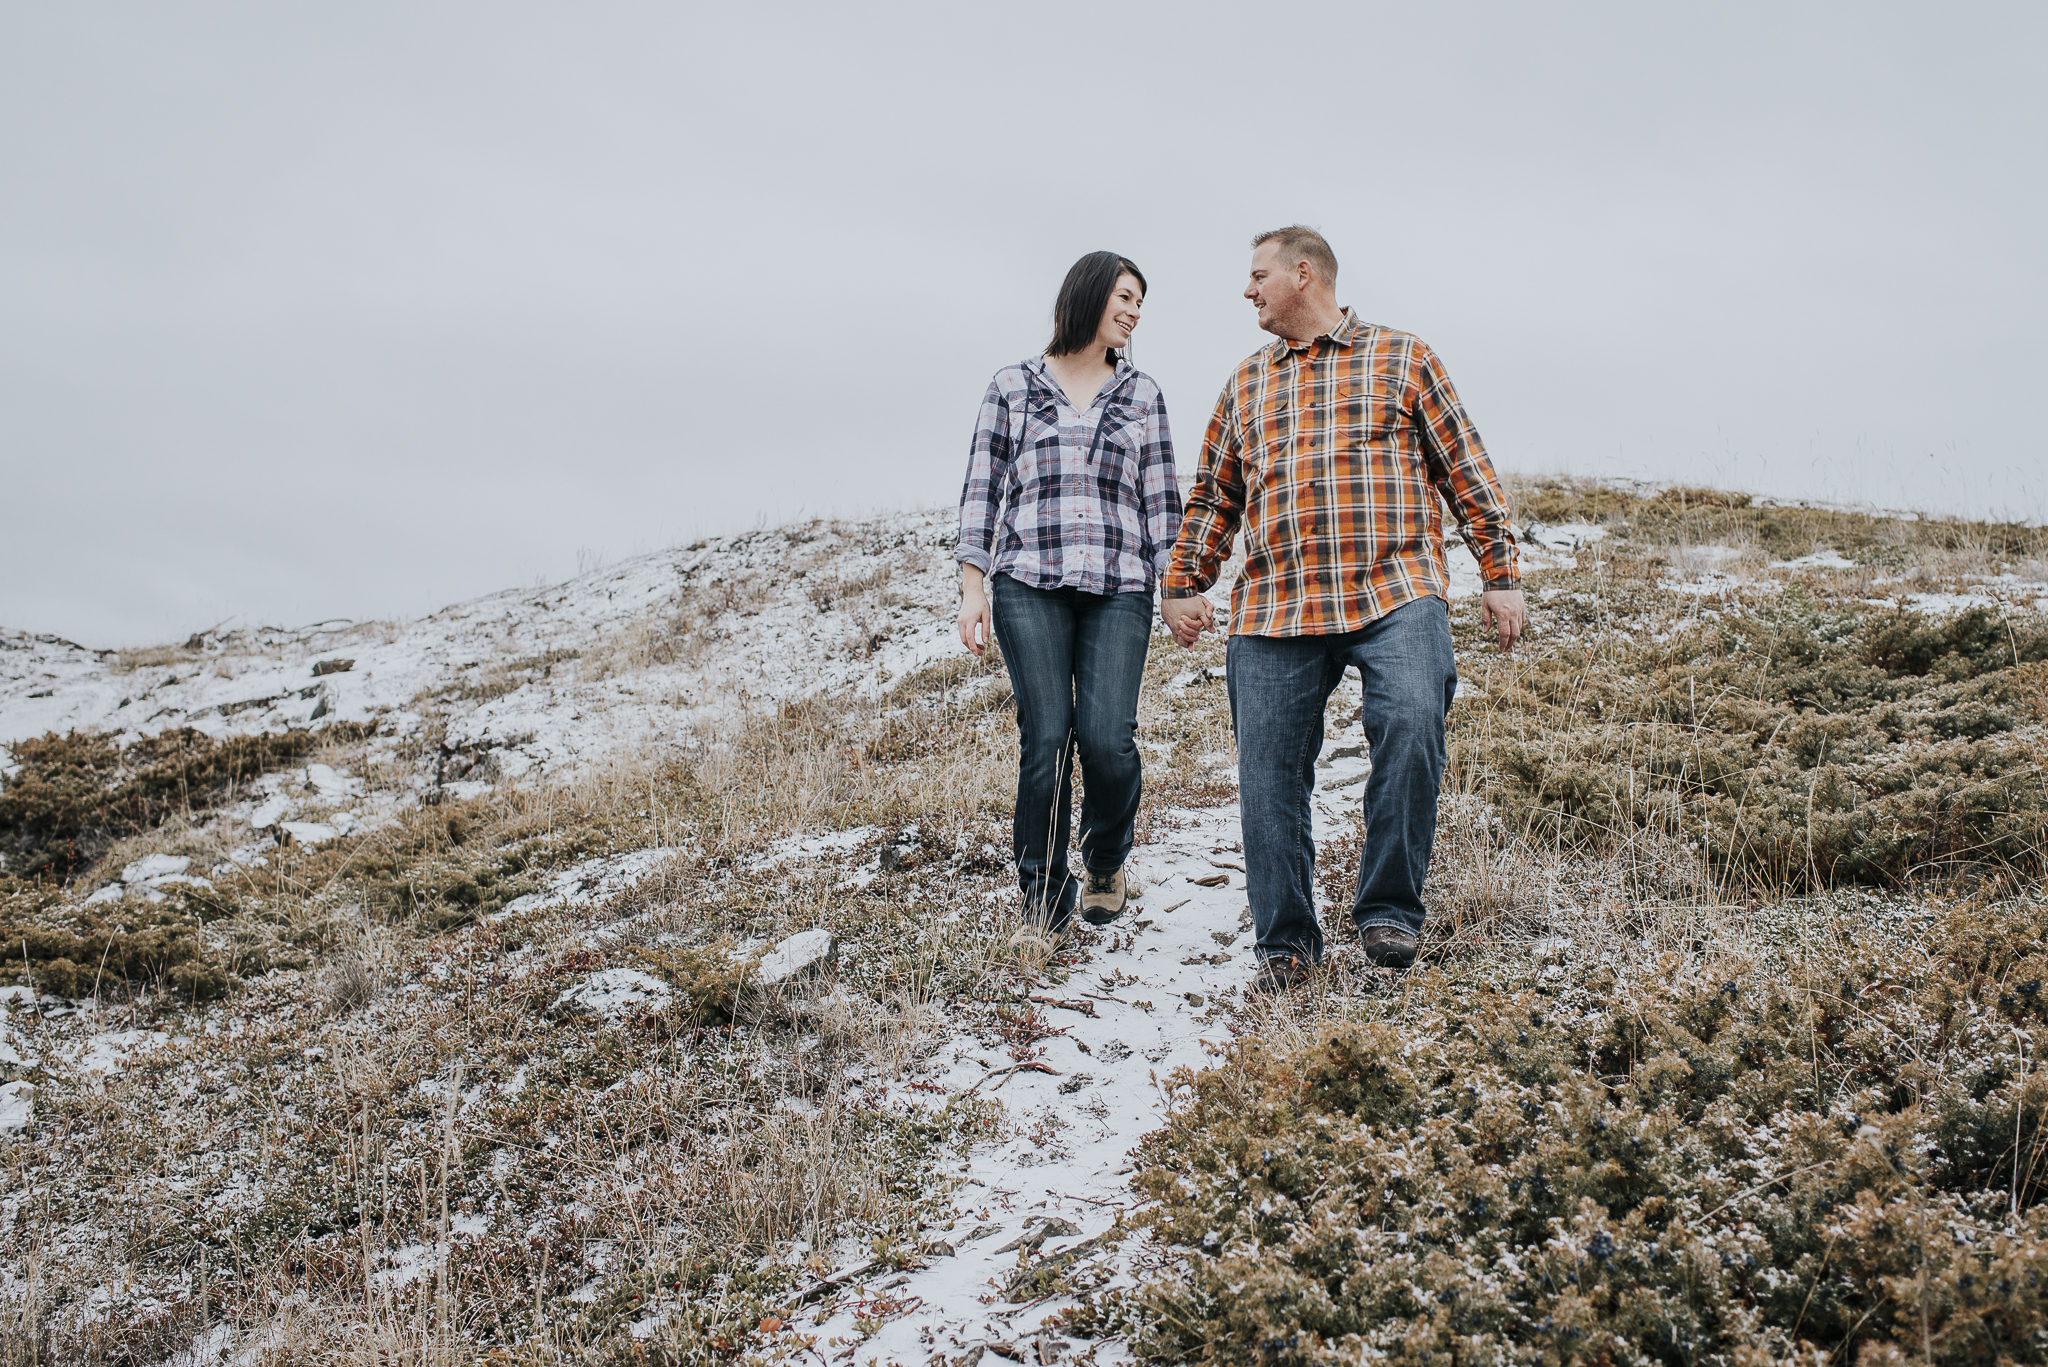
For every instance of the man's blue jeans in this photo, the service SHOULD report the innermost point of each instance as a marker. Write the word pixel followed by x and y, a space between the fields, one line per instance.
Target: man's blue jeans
pixel 1279 686
pixel 1075 661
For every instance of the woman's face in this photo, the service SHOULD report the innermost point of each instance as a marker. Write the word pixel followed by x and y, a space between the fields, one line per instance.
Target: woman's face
pixel 1120 317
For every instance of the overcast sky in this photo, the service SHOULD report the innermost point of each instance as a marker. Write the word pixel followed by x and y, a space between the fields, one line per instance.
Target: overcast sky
pixel 356 310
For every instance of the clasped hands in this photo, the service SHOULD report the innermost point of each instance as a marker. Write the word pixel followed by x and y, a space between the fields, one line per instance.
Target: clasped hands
pixel 1187 618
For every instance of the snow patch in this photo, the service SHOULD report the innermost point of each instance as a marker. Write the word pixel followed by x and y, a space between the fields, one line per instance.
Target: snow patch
pixel 614 994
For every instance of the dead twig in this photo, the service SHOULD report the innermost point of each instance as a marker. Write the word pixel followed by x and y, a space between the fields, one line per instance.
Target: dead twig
pixel 1029 1065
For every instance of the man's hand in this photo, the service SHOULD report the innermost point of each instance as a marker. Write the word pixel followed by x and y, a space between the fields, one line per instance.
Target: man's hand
pixel 1187 618
pixel 977 623
pixel 1503 612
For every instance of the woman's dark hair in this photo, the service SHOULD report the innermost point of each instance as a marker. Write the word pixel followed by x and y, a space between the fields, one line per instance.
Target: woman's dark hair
pixel 1084 294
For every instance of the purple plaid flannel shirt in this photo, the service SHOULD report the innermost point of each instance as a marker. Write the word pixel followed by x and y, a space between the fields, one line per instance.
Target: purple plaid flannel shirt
pixel 1056 499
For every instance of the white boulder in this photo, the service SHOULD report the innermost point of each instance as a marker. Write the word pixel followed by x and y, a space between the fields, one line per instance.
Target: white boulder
pixel 807 954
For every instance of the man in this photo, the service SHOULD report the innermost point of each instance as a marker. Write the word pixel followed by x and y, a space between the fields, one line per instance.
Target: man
pixel 1331 448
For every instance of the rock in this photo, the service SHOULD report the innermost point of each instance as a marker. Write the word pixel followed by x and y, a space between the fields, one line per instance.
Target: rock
pixel 809 954
pixel 17 1107
pixel 613 994
pixel 322 668
pixel 155 866
pixel 270 813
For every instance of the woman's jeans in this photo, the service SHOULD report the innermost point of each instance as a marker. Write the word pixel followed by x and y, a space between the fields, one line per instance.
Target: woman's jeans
pixel 1279 686
pixel 1075 661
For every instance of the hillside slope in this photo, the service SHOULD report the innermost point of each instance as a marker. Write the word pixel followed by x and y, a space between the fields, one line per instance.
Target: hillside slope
pixel 460 999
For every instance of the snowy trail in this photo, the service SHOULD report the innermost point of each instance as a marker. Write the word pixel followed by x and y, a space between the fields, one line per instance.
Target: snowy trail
pixel 1189 957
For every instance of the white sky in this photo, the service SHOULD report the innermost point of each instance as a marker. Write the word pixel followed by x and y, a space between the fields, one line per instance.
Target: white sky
pixel 358 310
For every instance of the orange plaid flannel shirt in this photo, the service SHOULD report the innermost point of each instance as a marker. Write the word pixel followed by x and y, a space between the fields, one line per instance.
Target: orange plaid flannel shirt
pixel 1333 454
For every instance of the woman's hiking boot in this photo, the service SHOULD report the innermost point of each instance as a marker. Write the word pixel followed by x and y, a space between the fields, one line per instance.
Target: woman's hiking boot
pixel 1105 895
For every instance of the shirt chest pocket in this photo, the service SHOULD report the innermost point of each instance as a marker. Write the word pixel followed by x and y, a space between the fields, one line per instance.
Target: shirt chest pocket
pixel 1367 414
pixel 1038 455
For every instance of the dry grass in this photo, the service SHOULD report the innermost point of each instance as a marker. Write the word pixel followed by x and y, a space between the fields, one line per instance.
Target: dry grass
pixel 398 1098
pixel 382 1146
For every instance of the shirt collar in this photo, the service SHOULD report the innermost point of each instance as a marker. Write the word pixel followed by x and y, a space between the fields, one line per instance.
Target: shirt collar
pixel 1344 334
pixel 1036 365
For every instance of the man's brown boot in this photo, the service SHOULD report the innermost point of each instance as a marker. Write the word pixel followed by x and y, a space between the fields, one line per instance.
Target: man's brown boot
pixel 1281 973
pixel 1388 947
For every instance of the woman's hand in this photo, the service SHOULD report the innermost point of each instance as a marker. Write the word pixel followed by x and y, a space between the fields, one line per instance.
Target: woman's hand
pixel 977 623
pixel 1187 618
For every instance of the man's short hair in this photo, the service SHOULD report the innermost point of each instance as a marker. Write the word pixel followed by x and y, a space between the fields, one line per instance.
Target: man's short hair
pixel 1297 243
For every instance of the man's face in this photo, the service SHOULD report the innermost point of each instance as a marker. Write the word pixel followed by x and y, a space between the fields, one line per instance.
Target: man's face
pixel 1277 292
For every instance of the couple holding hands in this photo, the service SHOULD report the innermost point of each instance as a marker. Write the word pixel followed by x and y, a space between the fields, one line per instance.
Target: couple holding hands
pixel 1333 451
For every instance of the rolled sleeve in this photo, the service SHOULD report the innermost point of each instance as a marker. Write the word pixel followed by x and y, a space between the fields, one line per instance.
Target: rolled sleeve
pixel 1159 488
pixel 1459 468
pixel 988 470
pixel 1214 508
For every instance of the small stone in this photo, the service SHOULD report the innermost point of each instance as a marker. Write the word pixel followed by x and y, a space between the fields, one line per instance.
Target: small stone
pixel 938 1248
pixel 322 668
pixel 807 954
pixel 1195 999
pixel 17 1107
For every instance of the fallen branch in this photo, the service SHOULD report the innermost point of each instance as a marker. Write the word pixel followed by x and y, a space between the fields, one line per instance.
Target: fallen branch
pixel 835 1283
pixel 1083 1007
pixel 1031 1065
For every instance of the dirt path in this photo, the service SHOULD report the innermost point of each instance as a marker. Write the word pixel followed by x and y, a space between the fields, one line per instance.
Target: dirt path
pixel 1161 987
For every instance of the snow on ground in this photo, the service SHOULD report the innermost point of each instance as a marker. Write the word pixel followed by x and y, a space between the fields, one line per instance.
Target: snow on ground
pixel 544 683
pixel 1151 996
pixel 550 679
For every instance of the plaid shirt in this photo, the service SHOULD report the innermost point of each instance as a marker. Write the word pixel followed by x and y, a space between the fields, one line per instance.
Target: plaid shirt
pixel 1070 500
pixel 1333 454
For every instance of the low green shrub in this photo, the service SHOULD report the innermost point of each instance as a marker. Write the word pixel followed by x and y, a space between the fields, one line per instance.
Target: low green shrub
pixel 1690 1164
pixel 73 795
pixel 74 950
pixel 1802 746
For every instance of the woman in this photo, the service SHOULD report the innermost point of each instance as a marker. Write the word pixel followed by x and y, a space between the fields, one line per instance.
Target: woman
pixel 1066 522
